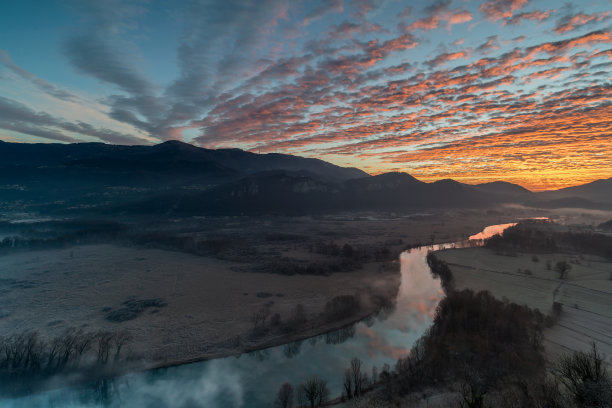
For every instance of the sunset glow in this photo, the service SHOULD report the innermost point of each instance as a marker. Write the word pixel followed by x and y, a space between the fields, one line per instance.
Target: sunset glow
pixel 476 91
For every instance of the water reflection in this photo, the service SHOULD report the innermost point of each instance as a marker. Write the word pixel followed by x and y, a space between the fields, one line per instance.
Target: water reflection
pixel 291 350
pixel 253 382
pixel 492 230
pixel 340 336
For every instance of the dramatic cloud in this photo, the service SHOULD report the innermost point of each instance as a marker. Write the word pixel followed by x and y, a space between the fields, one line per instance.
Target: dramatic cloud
pixel 495 10
pixel 43 85
pixel 492 44
pixel 532 15
pixel 572 22
pixel 19 118
pixel 437 12
pixel 470 90
pixel 444 58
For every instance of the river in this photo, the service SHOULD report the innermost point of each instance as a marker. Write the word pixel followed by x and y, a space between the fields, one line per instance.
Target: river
pixel 252 379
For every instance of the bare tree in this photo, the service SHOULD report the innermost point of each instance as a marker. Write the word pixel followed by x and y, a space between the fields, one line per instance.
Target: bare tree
pixel 259 319
pixel 585 377
pixel 284 397
pixel 104 340
pixel 562 268
pixel 34 349
pixel 52 352
pixel 322 393
pixel 473 392
pixel 300 396
pixel 68 345
pixel 120 339
pixel 358 377
pixel 315 391
pixel 84 343
pixel 348 383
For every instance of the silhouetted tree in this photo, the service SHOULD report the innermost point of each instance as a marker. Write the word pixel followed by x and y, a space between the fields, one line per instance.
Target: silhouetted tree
pixel 120 339
pixel 358 378
pixel 259 319
pixel 348 251
pixel 348 383
pixel 562 268
pixel 284 397
pixel 315 391
pixel 585 377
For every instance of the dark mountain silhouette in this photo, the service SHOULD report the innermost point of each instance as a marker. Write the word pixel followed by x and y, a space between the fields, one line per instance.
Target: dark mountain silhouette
pixel 175 177
pixel 241 162
pixel 301 193
pixel 94 174
pixel 502 187
pixel 599 192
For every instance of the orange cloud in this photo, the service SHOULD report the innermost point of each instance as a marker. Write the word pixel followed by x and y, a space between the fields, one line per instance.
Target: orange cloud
pixel 495 10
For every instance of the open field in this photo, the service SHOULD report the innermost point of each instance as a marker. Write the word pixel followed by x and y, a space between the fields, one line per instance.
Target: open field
pixel 585 296
pixel 204 304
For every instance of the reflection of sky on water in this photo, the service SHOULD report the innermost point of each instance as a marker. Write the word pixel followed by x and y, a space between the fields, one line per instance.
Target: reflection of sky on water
pixel 492 230
pixel 251 380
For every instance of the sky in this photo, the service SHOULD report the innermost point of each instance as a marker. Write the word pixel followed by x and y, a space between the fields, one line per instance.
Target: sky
pixel 476 91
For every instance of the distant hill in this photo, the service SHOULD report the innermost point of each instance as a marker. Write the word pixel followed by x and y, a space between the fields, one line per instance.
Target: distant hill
pixel 239 161
pixel 599 191
pixel 90 175
pixel 178 178
pixel 300 193
pixel 502 187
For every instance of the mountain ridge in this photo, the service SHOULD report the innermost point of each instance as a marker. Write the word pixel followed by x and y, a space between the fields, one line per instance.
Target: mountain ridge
pixel 178 177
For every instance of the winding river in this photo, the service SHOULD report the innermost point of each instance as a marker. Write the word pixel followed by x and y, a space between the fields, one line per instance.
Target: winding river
pixel 252 379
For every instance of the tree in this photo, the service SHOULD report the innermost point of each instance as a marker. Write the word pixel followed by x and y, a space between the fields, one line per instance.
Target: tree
pixel 300 396
pixel 121 339
pixel 348 383
pixel 473 391
pixel 104 340
pixel 348 251
pixel 562 268
pixel 259 319
pixel 359 378
pixel 284 397
pixel 315 391
pixel 585 377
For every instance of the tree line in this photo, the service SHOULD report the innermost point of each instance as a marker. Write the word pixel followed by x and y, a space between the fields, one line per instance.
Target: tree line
pixel 28 358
